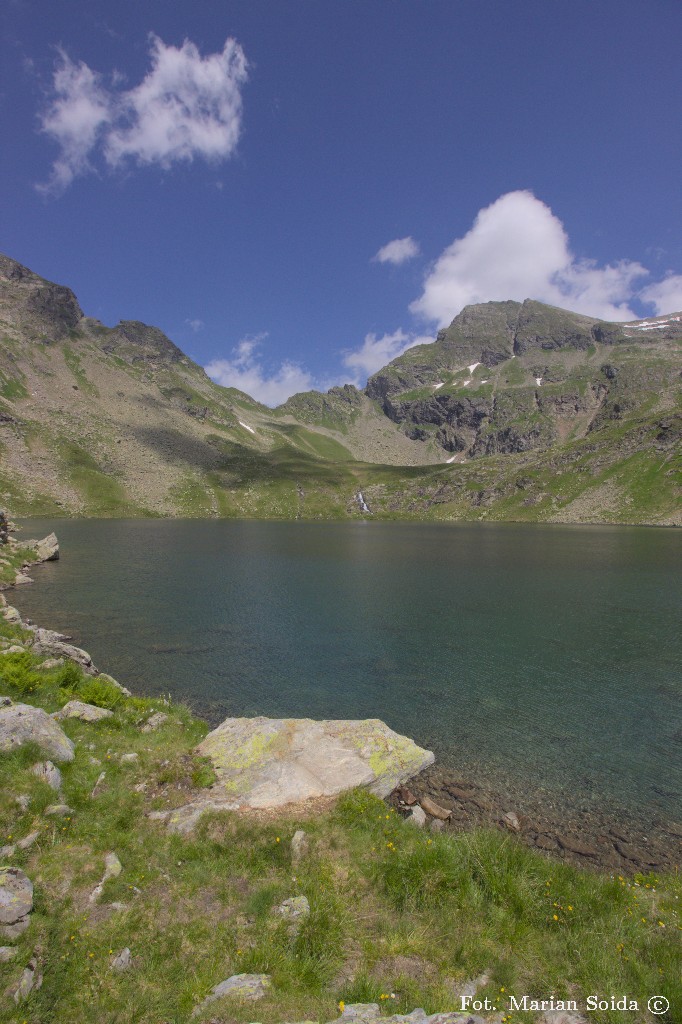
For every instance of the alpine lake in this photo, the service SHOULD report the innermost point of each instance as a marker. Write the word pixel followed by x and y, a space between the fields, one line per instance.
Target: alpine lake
pixel 542 662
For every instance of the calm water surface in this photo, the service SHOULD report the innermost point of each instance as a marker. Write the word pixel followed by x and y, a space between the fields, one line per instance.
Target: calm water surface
pixel 537 657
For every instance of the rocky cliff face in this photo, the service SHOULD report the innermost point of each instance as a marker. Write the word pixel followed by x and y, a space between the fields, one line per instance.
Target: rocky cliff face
pixel 44 311
pixel 465 393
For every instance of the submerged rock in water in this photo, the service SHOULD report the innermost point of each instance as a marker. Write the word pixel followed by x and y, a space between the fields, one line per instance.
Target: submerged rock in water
pixel 268 762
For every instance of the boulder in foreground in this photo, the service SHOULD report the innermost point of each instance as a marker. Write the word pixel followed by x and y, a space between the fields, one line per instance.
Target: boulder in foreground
pixel 22 723
pixel 268 762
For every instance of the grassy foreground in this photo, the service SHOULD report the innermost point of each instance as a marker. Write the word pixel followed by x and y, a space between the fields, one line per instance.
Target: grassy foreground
pixel 398 916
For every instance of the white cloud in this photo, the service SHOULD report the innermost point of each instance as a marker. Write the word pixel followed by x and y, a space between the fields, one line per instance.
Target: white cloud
pixel 74 120
pixel 246 372
pixel 665 296
pixel 517 249
pixel 377 352
pixel 187 106
pixel 196 325
pixel 398 251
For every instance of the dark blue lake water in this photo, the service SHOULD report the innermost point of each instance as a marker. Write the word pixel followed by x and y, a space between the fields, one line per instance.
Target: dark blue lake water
pixel 536 657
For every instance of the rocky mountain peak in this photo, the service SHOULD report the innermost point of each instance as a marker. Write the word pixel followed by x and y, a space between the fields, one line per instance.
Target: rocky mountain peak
pixel 42 310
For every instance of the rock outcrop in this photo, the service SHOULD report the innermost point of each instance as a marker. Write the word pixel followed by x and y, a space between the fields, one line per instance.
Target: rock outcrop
pixel 22 723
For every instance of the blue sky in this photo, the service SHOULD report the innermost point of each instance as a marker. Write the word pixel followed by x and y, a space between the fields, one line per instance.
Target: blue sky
pixel 296 190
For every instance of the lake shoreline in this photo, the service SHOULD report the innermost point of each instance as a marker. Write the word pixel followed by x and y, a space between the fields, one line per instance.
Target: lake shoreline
pixel 596 839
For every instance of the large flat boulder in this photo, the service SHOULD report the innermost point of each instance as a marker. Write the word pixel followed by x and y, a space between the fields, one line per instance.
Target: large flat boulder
pixel 22 723
pixel 268 762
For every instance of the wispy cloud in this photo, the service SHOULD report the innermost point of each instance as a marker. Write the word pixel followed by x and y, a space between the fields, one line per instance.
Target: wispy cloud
pixel 666 295
pixel 517 249
pixel 75 119
pixel 376 352
pixel 196 325
pixel 398 251
pixel 245 370
pixel 186 107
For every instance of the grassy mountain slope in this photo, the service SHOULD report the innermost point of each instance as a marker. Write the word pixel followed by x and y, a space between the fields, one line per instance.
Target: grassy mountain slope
pixel 516 411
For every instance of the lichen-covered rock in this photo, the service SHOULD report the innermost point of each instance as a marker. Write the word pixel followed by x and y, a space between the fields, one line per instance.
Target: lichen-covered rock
pixel 49 773
pixel 7 953
pixel 247 987
pixel 58 811
pixel 16 901
pixel 83 712
pixel 266 762
pixel 21 723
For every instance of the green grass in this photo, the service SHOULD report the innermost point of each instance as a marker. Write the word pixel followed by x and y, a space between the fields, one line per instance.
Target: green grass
pixel 398 916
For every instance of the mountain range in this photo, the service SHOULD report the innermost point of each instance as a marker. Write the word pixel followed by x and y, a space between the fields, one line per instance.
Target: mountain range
pixel 516 411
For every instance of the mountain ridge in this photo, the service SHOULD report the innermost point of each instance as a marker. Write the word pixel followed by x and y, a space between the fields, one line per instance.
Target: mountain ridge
pixel 100 420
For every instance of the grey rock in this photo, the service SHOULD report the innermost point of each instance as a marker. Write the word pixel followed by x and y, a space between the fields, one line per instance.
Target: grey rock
pixel 11 614
pixel 49 664
pixel 266 762
pixel 6 702
pixel 16 901
pixel 98 785
pixel 294 908
pixel 154 721
pixel 58 649
pixel 247 987
pixel 47 549
pixel 7 953
pixel 13 649
pixel 21 579
pixel 510 819
pixel 30 981
pixel 106 678
pixel 122 961
pixel 158 815
pixel 299 847
pixel 436 825
pixel 360 1012
pixel 417 816
pixel 49 773
pixel 129 758
pixel 112 869
pixel 27 842
pixel 22 723
pixel 83 712
pixel 183 819
pixel 57 811
pixel 23 800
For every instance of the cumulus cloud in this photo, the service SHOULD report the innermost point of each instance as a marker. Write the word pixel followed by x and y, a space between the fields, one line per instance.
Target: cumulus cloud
pixel 376 352
pixel 665 296
pixel 517 249
pixel 245 371
pixel 187 106
pixel 74 119
pixel 398 251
